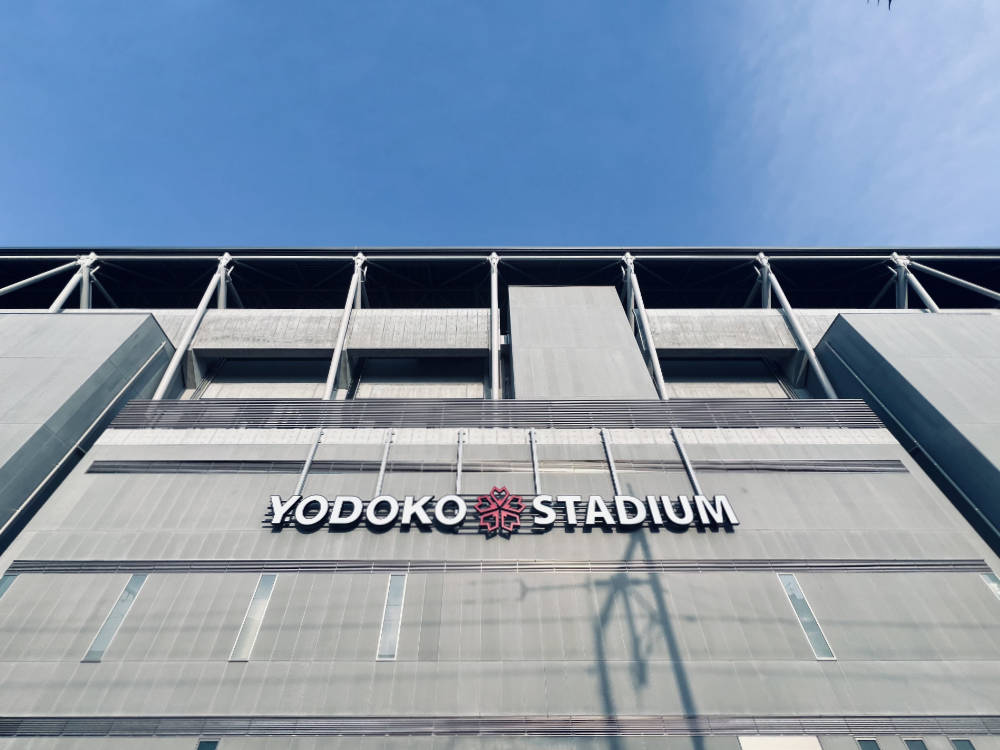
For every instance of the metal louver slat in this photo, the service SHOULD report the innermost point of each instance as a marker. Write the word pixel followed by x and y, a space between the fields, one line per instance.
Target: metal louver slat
pixel 264 466
pixel 382 413
pixel 537 726
pixel 501 565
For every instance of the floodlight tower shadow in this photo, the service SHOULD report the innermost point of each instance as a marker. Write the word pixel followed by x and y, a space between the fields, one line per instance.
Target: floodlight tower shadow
pixel 619 585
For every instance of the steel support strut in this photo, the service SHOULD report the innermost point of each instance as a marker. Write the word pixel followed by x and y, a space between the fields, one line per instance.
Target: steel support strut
pixel 903 271
pixel 38 277
pixel 81 277
pixel 345 320
pixel 765 291
pixel 955 280
pixel 218 278
pixel 495 393
pixel 647 334
pixel 58 302
pixel 902 290
pixel 796 329
pixel 629 297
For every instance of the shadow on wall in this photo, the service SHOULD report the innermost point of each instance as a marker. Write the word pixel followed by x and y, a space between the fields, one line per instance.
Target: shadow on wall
pixel 629 593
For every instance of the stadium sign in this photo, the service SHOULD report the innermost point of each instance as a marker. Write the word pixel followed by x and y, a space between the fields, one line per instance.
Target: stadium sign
pixel 500 512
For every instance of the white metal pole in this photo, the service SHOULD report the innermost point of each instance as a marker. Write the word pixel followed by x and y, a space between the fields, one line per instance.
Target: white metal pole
pixel 902 290
pixel 630 299
pixel 765 290
pixel 58 302
pixel 494 327
pixel 220 296
pixel 647 333
pixel 192 329
pixel 904 277
pixel 338 349
pixel 922 293
pixel 38 277
pixel 948 277
pixel 86 274
pixel 797 331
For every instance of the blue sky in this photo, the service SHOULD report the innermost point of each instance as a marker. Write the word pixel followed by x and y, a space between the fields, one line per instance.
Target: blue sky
pixel 653 122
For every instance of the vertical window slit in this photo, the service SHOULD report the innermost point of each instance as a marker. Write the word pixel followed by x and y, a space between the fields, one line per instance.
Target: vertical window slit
pixel 392 615
pixel 5 582
pixel 114 619
pixel 253 618
pixel 814 634
pixel 990 579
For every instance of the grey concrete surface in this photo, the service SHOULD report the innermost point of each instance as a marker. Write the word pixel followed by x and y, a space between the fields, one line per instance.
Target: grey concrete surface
pixel 574 342
pixel 536 642
pixel 936 376
pixel 58 374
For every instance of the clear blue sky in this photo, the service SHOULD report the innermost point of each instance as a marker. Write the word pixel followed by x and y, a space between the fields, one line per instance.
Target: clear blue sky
pixel 418 122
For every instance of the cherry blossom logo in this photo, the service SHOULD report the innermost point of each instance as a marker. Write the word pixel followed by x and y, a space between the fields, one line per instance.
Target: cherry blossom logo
pixel 499 511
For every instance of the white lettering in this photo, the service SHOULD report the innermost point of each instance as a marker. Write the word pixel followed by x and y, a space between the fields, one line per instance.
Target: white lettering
pixel 597 507
pixel 322 504
pixel 718 511
pixel 337 517
pixel 683 520
pixel 460 510
pixel 280 509
pixel 540 505
pixel 626 519
pixel 654 509
pixel 389 518
pixel 413 507
pixel 570 502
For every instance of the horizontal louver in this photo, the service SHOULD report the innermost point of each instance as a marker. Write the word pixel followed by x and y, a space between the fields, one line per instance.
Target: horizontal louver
pixel 375 413
pixel 489 566
pixel 209 466
pixel 539 726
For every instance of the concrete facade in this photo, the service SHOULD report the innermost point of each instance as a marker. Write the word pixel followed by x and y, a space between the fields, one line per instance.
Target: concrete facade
pixel 153 602
pixel 572 342
pixel 936 378
pixel 62 378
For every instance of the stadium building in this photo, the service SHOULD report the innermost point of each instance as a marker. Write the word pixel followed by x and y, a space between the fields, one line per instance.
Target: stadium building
pixel 711 499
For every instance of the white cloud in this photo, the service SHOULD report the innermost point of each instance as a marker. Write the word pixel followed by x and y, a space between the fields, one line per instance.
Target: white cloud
pixel 848 124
